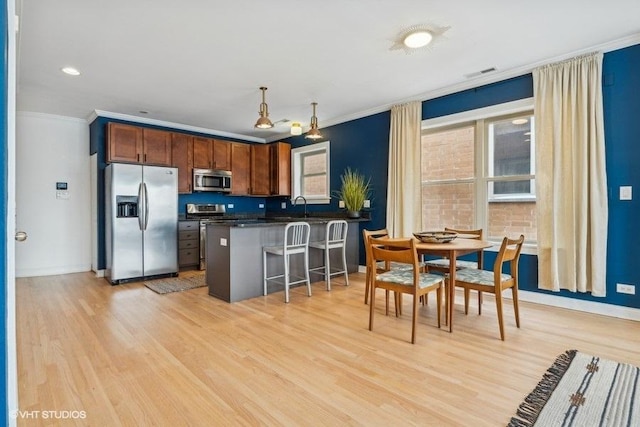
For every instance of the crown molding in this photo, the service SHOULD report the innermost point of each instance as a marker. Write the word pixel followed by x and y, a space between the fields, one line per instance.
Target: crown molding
pixel 178 126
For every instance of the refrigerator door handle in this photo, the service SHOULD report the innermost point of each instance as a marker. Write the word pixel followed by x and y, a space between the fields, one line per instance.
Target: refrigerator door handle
pixel 146 206
pixel 140 219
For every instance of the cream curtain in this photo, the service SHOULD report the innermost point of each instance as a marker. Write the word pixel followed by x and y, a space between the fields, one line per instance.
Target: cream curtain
pixel 571 181
pixel 404 210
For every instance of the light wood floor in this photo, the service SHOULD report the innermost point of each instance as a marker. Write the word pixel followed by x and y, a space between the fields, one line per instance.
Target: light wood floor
pixel 128 356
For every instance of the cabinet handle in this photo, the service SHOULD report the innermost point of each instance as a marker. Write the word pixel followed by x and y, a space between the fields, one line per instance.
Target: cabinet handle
pixel 138 158
pixel 145 157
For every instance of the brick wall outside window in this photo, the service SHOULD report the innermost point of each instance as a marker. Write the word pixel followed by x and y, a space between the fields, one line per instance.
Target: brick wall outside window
pixel 449 155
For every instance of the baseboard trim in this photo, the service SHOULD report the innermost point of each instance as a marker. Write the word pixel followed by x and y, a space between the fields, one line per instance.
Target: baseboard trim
pixel 34 272
pixel 593 307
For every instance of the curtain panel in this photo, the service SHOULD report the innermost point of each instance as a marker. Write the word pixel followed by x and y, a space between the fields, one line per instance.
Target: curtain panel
pixel 571 180
pixel 404 210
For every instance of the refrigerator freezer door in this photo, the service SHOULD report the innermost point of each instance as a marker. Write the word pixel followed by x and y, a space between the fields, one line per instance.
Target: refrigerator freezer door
pixel 161 219
pixel 124 236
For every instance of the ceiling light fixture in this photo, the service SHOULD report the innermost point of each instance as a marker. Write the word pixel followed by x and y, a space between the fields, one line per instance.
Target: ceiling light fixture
pixel 263 121
pixel 296 128
pixel 313 132
pixel 71 71
pixel 519 121
pixel 417 39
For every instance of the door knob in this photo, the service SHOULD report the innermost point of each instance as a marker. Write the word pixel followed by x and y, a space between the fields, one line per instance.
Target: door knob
pixel 21 236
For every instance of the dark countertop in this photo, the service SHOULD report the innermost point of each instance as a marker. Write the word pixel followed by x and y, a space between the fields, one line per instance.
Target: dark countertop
pixel 252 220
pixel 276 220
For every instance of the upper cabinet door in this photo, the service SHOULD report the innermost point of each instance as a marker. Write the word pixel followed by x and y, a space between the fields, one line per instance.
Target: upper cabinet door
pixel 221 155
pixel 202 153
pixel 124 143
pixel 240 168
pixel 280 169
pixel 157 147
pixel 182 158
pixel 260 169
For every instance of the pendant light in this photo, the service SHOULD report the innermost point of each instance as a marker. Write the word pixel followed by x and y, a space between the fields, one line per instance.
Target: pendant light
pixel 263 121
pixel 313 132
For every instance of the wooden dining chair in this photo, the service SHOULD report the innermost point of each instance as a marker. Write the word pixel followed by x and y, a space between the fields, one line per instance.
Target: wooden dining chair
pixel 379 267
pixel 495 281
pixel 441 265
pixel 402 281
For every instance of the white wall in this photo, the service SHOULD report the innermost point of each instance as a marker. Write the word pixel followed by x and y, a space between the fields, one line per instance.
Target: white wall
pixel 52 149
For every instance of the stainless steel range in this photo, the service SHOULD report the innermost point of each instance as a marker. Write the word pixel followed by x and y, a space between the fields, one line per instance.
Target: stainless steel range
pixel 205 213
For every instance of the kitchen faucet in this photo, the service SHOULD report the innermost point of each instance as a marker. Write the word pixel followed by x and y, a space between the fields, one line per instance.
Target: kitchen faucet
pixel 295 203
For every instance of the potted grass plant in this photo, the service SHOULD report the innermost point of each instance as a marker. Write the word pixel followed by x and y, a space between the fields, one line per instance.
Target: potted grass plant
pixel 354 191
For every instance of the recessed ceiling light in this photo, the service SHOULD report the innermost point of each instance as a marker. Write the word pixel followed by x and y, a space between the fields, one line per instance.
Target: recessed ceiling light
pixel 520 121
pixel 71 71
pixel 417 39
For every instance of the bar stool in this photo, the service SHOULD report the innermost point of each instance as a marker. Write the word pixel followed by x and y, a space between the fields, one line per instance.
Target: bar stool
pixel 335 238
pixel 296 241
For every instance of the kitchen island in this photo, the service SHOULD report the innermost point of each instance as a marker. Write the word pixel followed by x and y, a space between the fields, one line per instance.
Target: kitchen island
pixel 234 255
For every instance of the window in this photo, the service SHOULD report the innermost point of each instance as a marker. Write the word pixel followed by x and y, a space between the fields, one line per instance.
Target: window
pixel 511 159
pixel 478 171
pixel 310 172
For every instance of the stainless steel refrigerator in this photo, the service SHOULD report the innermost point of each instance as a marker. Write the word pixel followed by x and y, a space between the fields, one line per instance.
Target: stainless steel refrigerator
pixel 141 221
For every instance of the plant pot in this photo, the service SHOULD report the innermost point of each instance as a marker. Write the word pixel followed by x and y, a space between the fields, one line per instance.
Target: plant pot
pixel 353 214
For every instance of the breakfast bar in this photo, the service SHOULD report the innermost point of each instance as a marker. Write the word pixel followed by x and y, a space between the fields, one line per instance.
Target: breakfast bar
pixel 234 254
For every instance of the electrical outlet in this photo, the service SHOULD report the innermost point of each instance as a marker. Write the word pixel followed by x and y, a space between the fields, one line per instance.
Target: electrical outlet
pixel 367 203
pixel 283 205
pixel 230 205
pixel 261 205
pixel 623 288
pixel 341 204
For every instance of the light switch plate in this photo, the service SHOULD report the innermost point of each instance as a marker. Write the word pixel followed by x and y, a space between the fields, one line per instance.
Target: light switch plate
pixel 223 241
pixel 230 205
pixel 283 205
pixel 625 192
pixel 341 204
pixel 367 203
pixel 261 205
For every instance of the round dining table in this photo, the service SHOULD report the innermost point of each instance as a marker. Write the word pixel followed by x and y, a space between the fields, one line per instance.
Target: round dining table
pixel 452 250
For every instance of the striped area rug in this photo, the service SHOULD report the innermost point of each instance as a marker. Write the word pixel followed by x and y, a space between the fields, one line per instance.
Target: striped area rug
pixel 175 284
pixel 582 390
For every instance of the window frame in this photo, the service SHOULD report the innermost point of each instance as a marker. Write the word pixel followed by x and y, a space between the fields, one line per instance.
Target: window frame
pixel 479 117
pixel 489 175
pixel 297 171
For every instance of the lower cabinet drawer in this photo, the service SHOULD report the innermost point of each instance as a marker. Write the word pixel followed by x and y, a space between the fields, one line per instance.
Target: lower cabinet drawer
pixel 187 244
pixel 189 234
pixel 188 257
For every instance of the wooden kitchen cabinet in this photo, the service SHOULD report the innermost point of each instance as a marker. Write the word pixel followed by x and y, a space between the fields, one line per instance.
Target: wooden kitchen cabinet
pixel 280 168
pixel 260 172
pixel 133 144
pixel 211 154
pixel 182 158
pixel 240 168
pixel 156 147
pixel 221 155
pixel 124 143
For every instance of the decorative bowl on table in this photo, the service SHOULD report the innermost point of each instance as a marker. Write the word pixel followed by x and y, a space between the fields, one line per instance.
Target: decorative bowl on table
pixel 436 236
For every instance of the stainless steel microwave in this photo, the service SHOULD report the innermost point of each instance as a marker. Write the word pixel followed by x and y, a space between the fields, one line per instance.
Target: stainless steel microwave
pixel 211 180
